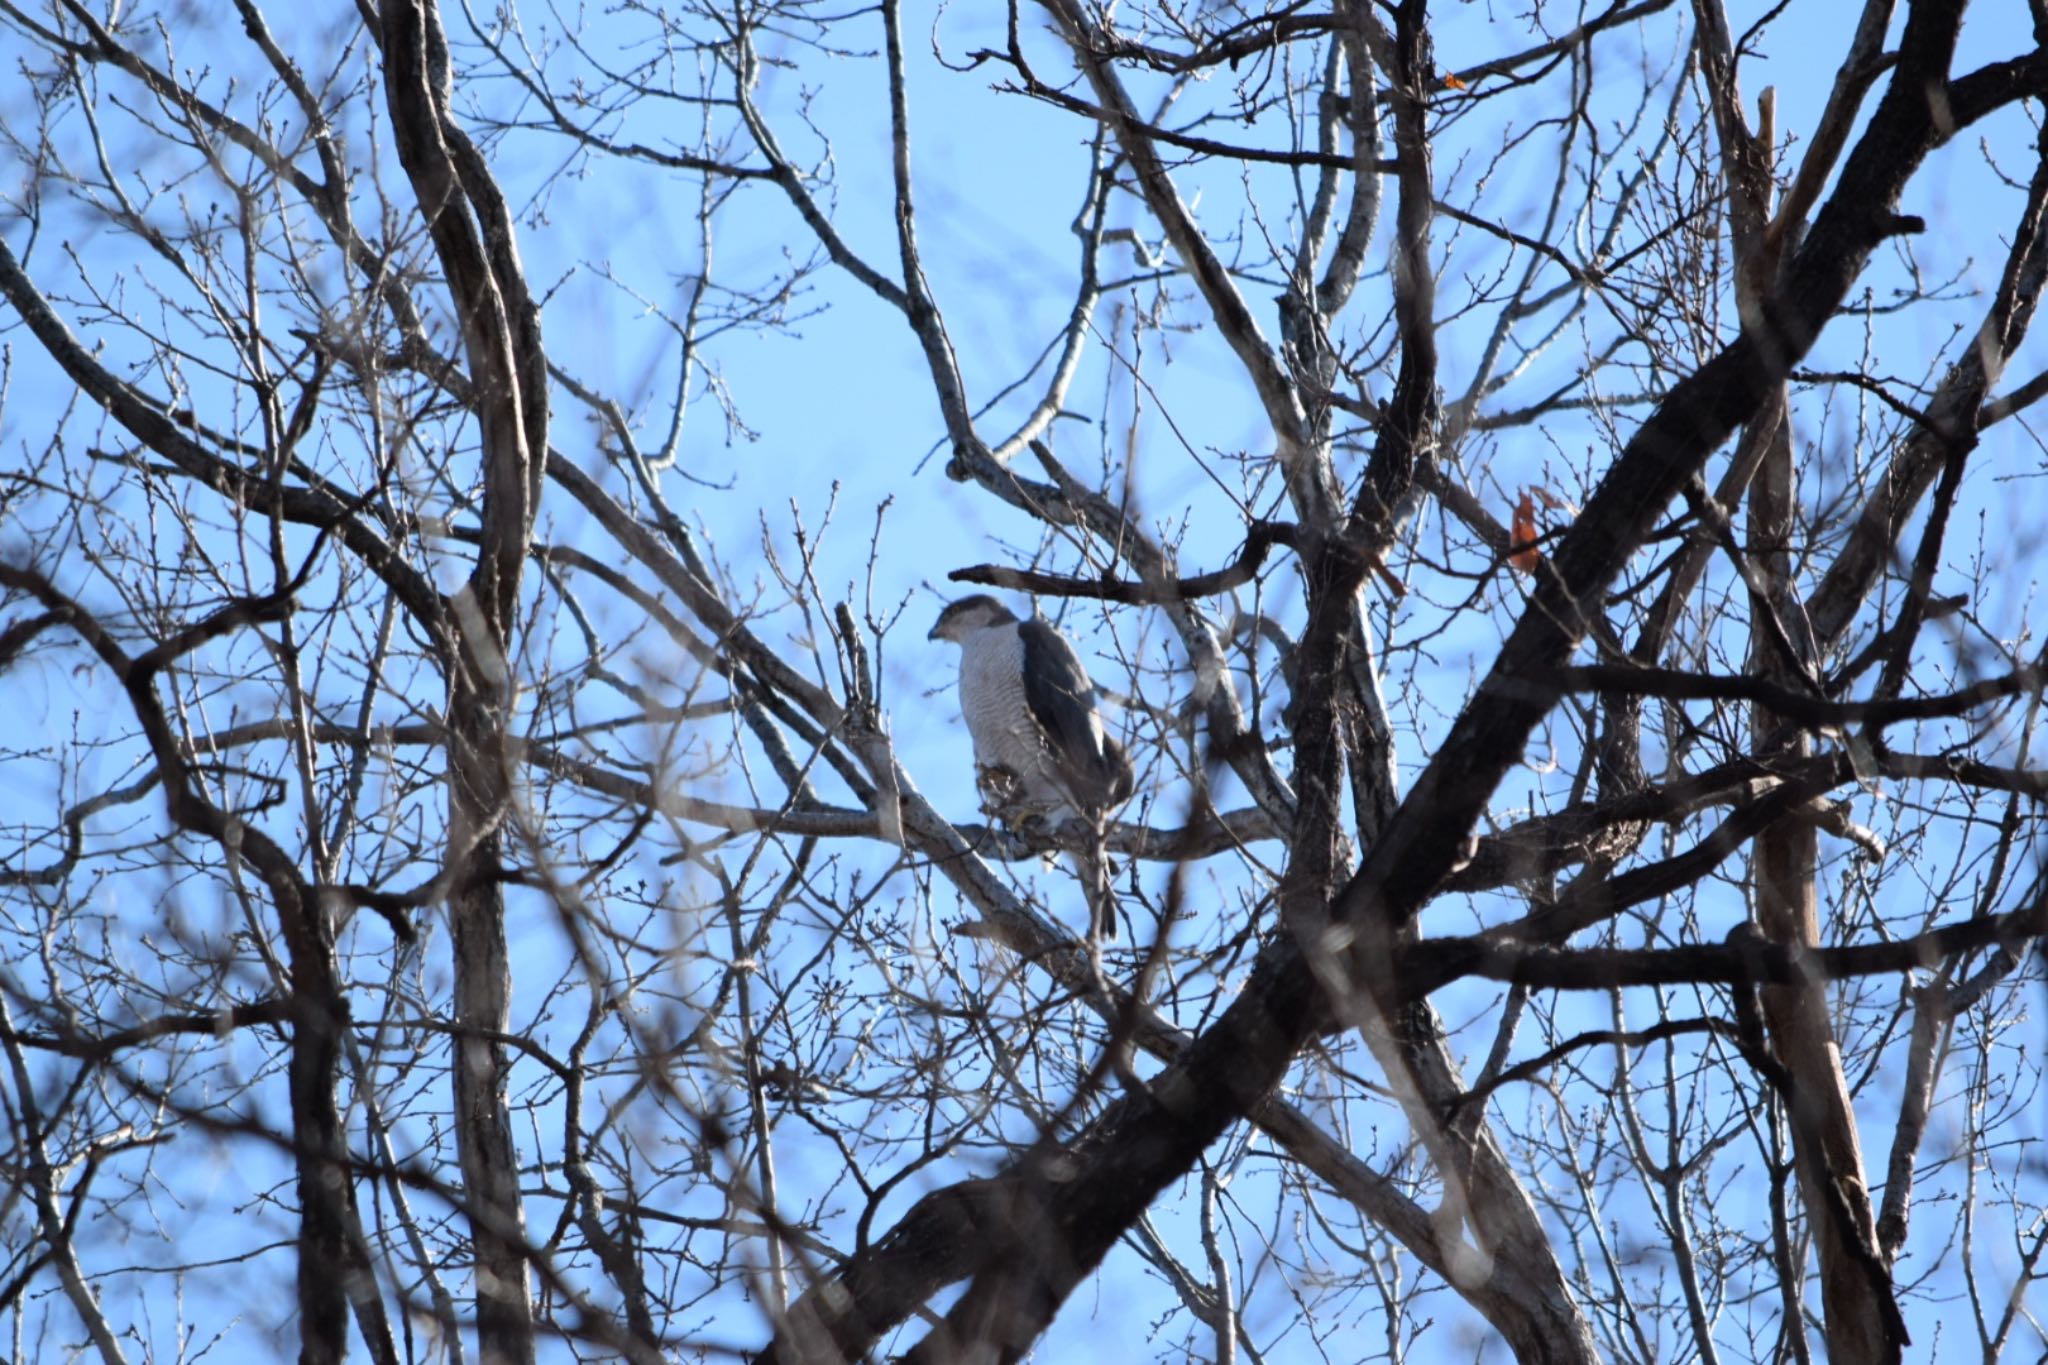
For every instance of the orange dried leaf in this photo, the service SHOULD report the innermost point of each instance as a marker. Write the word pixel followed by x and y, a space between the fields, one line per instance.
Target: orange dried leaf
pixel 1523 555
pixel 1452 82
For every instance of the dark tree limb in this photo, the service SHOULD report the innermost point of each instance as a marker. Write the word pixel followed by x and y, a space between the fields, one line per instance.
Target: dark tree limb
pixel 1432 964
pixel 1259 542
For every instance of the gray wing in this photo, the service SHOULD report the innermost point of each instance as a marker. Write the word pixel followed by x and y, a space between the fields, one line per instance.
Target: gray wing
pixel 1062 701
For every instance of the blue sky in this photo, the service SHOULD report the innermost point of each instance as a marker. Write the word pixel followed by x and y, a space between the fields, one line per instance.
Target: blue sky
pixel 839 397
pixel 845 398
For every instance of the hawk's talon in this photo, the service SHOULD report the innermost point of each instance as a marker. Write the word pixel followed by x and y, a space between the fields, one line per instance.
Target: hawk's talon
pixel 1000 789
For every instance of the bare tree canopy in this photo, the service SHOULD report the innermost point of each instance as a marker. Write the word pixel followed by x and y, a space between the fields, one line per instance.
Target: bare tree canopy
pixel 493 867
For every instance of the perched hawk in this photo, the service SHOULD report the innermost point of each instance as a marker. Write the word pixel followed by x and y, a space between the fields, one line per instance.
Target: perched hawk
pixel 1041 753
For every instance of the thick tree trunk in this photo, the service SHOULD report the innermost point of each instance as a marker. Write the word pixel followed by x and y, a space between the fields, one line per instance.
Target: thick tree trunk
pixel 483 985
pixel 1862 1317
pixel 1863 1322
pixel 476 247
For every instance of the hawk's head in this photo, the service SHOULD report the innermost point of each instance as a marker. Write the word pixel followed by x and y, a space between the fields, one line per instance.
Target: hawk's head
pixel 962 618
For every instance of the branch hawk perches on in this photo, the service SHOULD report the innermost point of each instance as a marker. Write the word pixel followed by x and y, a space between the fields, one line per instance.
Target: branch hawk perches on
pixel 1041 753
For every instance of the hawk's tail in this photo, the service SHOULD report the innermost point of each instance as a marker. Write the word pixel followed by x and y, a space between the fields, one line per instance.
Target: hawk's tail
pixel 1098 881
